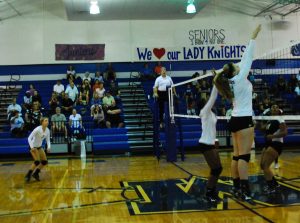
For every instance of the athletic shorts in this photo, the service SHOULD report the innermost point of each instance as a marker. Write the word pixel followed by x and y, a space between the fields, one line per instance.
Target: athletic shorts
pixel 38 148
pixel 239 123
pixel 204 147
pixel 275 145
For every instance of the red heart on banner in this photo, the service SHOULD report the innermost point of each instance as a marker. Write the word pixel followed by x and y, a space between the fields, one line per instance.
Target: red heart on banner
pixel 159 53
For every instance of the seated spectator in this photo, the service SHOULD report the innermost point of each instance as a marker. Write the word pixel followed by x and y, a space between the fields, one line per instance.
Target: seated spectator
pixel 97 85
pixel 53 103
pixel 67 105
pixel 281 84
pixel 96 100
pixel 33 116
pixel 37 97
pixel 86 86
pixel 146 73
pixel 293 83
pixel 115 91
pixel 75 123
pixel 27 101
pixel 31 89
pixel 58 125
pixel 100 90
pixel 157 69
pixel 87 77
pixel 71 73
pixel 72 92
pixel 84 97
pixel 58 87
pixel 98 76
pixel 98 116
pixel 108 100
pixel 12 108
pixel 194 83
pixel 110 73
pixel 113 117
pixel 17 125
pixel 191 106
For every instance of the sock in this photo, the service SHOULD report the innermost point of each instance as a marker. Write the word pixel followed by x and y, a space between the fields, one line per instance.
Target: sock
pixel 245 186
pixel 236 183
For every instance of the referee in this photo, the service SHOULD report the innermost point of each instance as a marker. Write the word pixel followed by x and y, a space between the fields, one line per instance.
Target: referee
pixel 160 91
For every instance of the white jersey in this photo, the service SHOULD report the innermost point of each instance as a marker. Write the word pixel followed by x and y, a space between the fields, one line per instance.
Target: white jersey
pixel 37 136
pixel 241 87
pixel 162 83
pixel 209 120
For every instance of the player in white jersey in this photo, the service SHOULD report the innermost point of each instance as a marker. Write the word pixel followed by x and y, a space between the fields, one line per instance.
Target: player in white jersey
pixel 35 141
pixel 207 145
pixel 233 84
pixel 275 130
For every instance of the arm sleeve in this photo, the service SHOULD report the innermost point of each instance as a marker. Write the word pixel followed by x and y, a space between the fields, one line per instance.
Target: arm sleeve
pixel 211 101
pixel 48 139
pixel 246 62
pixel 30 142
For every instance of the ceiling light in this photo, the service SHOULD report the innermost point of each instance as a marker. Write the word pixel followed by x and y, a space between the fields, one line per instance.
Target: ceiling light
pixel 94 8
pixel 190 7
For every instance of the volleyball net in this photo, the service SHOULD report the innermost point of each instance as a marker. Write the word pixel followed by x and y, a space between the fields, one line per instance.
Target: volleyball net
pixel 273 78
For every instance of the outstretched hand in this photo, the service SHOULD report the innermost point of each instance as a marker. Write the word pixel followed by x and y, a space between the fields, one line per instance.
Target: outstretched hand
pixel 256 31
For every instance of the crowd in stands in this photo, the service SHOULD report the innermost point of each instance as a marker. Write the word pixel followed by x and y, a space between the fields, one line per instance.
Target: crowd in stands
pixel 69 103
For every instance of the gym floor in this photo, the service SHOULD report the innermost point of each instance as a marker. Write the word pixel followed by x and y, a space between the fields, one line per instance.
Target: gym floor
pixel 141 189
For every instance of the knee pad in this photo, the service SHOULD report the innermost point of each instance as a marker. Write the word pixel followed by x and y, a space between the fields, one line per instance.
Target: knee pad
pixel 36 162
pixel 216 172
pixel 235 158
pixel 245 157
pixel 44 162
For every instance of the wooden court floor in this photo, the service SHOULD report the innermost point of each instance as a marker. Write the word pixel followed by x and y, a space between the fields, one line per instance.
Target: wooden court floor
pixel 141 189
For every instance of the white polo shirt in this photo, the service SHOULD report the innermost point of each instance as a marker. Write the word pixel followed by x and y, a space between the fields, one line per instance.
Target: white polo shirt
pixel 72 92
pixel 58 88
pixel 162 83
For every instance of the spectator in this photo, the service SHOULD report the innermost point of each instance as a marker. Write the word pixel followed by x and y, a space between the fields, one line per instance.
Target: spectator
pixel 98 76
pixel 37 97
pixel 113 117
pixel 191 106
pixel 53 102
pixel 281 84
pixel 75 123
pixel 12 108
pixel 98 116
pixel 86 86
pixel 31 89
pixel 108 100
pixel 67 105
pixel 96 100
pixel 58 125
pixel 157 69
pixel 110 73
pixel 17 125
pixel 72 92
pixel 27 101
pixel 97 85
pixel 87 77
pixel 194 83
pixel 58 87
pixel 84 97
pixel 293 83
pixel 33 116
pixel 100 90
pixel 71 73
pixel 115 91
pixel 188 92
pixel 146 73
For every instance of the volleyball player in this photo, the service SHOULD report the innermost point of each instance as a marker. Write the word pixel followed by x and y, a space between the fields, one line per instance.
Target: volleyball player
pixel 38 154
pixel 207 145
pixel 232 83
pixel 275 131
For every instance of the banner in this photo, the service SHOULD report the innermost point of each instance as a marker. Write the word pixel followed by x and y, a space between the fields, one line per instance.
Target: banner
pixel 204 52
pixel 79 51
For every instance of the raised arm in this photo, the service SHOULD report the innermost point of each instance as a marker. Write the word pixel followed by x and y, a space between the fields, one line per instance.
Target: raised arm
pixel 211 101
pixel 246 62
